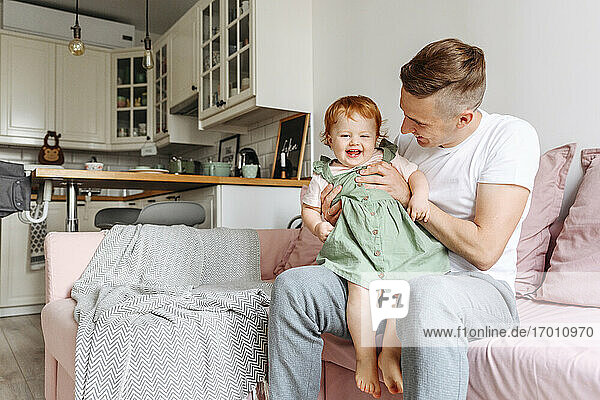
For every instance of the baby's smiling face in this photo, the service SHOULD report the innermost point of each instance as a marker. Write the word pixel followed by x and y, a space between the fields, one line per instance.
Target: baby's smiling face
pixel 353 139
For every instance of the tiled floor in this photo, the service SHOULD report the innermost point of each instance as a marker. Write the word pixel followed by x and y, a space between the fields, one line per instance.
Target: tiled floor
pixel 21 358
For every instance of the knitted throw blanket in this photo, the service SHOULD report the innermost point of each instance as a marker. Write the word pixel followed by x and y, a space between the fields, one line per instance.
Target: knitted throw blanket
pixel 171 313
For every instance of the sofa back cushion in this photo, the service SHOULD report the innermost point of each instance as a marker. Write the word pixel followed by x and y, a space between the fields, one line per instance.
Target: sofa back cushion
pixel 275 246
pixel 574 273
pixel 302 252
pixel 546 200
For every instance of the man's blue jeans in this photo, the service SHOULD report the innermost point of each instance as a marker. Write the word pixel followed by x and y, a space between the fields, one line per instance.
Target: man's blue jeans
pixel 308 301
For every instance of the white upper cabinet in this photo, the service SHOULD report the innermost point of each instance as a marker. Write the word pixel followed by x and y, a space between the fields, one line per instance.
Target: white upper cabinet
pixel 255 59
pixel 82 100
pixel 27 88
pixel 184 45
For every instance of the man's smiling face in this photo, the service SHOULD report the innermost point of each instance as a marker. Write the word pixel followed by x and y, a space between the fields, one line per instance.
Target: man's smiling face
pixel 423 120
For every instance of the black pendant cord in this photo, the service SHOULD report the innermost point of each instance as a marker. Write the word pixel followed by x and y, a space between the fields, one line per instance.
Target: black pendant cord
pixel 76 12
pixel 147 34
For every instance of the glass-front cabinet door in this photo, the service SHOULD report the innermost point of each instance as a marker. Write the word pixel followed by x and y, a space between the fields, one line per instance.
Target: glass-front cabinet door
pixel 130 98
pixel 160 95
pixel 238 48
pixel 226 54
pixel 210 53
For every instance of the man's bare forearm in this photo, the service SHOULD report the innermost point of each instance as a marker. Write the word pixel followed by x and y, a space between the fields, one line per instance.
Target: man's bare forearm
pixel 462 237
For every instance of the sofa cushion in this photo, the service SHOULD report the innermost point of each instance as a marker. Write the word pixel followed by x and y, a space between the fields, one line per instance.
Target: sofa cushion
pixel 275 246
pixel 60 330
pixel 303 252
pixel 574 273
pixel 546 200
pixel 531 365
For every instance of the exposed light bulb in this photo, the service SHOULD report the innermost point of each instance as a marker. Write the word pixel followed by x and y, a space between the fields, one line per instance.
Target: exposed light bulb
pixel 148 59
pixel 76 47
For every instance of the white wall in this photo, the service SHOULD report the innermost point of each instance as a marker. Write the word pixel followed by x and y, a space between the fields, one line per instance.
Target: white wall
pixel 542 57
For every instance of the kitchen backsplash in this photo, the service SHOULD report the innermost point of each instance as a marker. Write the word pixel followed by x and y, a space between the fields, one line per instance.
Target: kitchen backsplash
pixel 121 161
pixel 261 137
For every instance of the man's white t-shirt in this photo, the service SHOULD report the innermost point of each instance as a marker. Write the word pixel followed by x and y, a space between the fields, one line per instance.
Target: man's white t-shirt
pixel 502 150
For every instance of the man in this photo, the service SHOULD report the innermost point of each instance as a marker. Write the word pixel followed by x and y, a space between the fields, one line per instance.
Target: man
pixel 481 169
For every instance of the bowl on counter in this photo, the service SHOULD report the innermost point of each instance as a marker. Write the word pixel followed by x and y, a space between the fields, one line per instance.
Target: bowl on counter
pixel 216 168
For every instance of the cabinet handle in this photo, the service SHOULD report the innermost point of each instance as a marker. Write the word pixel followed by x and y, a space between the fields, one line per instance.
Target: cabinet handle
pixel 194 88
pixel 174 198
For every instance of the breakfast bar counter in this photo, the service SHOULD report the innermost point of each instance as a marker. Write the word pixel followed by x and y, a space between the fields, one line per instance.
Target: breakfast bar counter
pixel 74 180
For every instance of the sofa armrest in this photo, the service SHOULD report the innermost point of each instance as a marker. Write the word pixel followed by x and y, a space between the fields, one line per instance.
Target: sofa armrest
pixel 274 244
pixel 67 255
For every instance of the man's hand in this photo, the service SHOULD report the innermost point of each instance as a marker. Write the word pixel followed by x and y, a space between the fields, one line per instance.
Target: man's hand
pixel 418 208
pixel 323 229
pixel 384 176
pixel 331 214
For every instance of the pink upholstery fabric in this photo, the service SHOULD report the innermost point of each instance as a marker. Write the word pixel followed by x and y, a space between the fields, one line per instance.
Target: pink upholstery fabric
pixel 59 332
pixel 546 201
pixel 303 252
pixel 530 368
pixel 65 389
pixel 67 255
pixel 574 273
pixel 275 245
pixel 524 368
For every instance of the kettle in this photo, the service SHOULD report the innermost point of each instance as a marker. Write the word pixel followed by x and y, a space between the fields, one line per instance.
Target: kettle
pixel 246 156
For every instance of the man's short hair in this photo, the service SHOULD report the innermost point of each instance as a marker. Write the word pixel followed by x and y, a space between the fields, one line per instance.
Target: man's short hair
pixel 452 69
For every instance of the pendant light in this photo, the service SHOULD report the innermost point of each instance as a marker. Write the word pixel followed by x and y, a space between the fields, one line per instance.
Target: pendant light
pixel 148 60
pixel 76 46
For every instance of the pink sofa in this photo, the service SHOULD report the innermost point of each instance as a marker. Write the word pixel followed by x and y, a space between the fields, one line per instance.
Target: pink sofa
pixel 499 368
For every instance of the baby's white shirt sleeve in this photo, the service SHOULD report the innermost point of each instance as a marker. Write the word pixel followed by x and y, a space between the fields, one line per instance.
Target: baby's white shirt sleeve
pixel 405 167
pixel 312 197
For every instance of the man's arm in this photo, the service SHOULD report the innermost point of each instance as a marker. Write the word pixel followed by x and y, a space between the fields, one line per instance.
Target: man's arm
pixel 498 209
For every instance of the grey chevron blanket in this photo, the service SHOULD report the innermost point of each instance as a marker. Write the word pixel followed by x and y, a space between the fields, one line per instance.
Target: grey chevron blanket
pixel 171 313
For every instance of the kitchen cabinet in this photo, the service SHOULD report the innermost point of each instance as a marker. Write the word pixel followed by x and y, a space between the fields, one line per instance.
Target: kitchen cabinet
pixel 161 123
pixel 20 286
pixel 168 128
pixel 249 71
pixel 27 89
pixel 254 207
pixel 183 40
pixel 82 100
pixel 23 288
pixel 131 99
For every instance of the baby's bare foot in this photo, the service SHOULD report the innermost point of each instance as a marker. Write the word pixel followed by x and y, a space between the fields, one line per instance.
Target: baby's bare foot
pixel 366 376
pixel 389 363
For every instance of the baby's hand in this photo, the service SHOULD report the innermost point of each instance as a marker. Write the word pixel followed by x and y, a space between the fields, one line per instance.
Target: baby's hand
pixel 418 208
pixel 323 229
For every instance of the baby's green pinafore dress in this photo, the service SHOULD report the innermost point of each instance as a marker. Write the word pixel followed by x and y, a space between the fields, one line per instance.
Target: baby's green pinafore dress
pixel 375 238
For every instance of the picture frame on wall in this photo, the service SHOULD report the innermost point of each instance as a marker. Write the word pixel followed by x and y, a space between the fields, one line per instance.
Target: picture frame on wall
pixel 228 149
pixel 289 150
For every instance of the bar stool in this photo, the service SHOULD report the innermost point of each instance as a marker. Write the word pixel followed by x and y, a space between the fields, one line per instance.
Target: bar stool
pixel 162 213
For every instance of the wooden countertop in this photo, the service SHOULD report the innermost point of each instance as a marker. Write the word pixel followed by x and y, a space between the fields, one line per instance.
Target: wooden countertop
pixel 151 181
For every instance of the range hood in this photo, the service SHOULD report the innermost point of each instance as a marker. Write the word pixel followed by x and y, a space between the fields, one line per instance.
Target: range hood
pixel 187 107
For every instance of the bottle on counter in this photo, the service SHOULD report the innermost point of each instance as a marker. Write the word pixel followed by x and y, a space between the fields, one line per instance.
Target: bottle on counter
pixel 283 176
